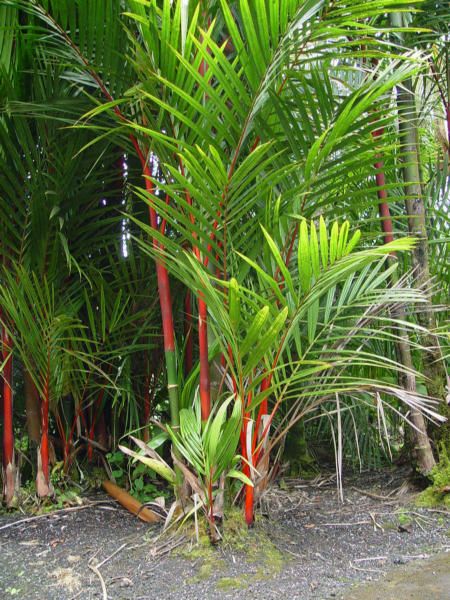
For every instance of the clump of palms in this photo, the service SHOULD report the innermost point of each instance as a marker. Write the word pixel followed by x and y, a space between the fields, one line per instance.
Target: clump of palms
pixel 304 334
pixel 247 127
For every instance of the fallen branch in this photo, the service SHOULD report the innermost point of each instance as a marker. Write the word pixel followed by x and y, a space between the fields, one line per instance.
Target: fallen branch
pixel 56 512
pixel 370 558
pixel 343 524
pixel 95 570
pixel 130 503
pixel 387 498
pixel 105 560
pixel 436 510
pixel 166 547
pixel 365 569
pixel 375 523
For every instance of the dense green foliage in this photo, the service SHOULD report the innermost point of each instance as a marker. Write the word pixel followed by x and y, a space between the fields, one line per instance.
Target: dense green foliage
pixel 190 230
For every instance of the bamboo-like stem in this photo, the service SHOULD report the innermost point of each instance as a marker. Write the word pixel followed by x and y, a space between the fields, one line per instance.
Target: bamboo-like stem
pixel 189 340
pixel 165 299
pixel 152 377
pixel 447 115
pixel 205 375
pixel 147 402
pixel 79 413
pixel 9 467
pixel 95 413
pixel 32 409
pixel 383 206
pixel 249 508
pixel 212 527
pixel 248 456
pixel 8 432
pixel 130 503
pixel 169 341
pixel 205 381
pixel 248 489
pixel 102 432
pixel 43 487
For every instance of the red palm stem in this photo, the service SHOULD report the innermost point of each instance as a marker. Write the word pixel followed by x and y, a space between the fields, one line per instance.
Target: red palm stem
pixel 205 382
pixel 189 343
pixel 8 430
pixel 45 405
pixel 95 414
pixel 383 206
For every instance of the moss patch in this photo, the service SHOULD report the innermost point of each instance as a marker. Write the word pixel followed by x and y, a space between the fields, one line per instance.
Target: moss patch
pixel 251 546
pixel 404 518
pixel 233 583
pixel 438 494
pixel 254 544
pixel 206 571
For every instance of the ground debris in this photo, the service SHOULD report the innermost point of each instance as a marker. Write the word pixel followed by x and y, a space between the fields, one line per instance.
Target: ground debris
pixel 321 547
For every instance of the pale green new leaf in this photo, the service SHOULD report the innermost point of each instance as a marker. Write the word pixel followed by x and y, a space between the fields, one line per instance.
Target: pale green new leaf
pixel 158 466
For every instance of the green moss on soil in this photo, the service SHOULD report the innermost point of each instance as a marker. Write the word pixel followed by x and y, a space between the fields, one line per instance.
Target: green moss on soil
pixel 254 543
pixel 206 571
pixel 253 546
pixel 438 493
pixel 404 518
pixel 233 583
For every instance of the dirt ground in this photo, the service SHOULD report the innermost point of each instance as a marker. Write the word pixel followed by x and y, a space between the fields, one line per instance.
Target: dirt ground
pixel 306 545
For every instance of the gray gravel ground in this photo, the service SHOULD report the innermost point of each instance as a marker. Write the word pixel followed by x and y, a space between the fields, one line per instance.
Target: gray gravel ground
pixel 306 546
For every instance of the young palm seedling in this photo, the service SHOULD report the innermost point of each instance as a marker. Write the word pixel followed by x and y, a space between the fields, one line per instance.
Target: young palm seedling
pixel 209 448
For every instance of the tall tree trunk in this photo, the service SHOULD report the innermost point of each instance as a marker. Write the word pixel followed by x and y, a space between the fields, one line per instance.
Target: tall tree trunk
pixel 422 450
pixel 433 361
pixel 33 415
pixel 169 342
pixel 96 411
pixel 203 344
pixel 165 298
pixel 417 226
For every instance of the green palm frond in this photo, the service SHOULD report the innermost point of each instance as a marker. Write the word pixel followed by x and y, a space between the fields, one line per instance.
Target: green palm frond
pixel 46 334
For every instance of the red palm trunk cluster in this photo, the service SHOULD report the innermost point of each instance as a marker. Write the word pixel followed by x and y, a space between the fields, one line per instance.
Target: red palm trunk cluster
pixel 260 432
pixel 9 478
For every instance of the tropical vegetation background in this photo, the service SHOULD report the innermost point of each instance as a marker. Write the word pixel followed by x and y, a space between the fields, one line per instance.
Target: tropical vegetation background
pixel 224 231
